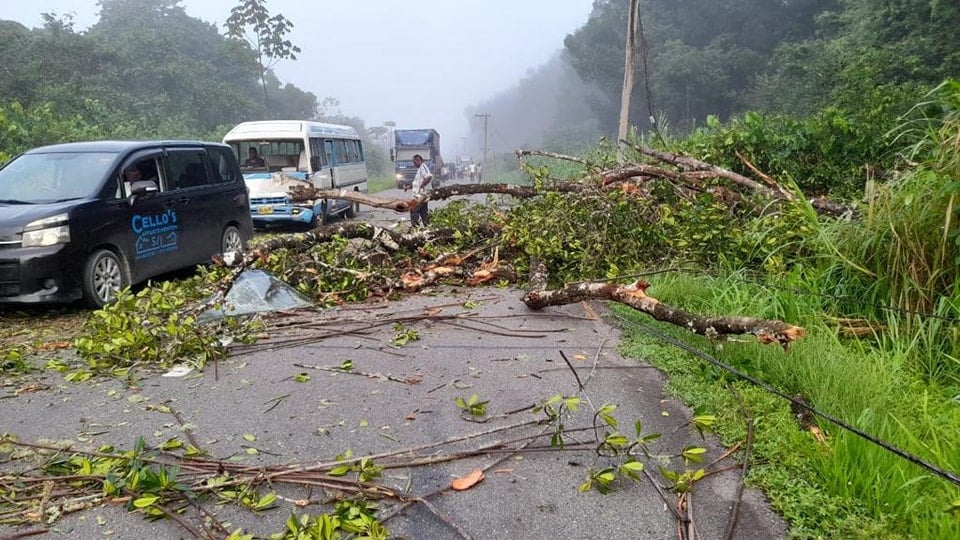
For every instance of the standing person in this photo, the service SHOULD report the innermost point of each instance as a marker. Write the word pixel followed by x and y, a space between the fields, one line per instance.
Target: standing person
pixel 421 186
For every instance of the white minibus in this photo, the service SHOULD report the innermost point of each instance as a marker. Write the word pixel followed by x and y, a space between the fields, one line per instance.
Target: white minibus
pixel 276 155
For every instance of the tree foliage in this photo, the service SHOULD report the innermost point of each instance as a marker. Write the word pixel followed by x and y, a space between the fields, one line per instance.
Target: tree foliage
pixel 145 69
pixel 251 22
pixel 797 57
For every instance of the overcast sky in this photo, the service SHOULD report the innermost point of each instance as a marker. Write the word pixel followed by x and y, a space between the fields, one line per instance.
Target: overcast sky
pixel 419 63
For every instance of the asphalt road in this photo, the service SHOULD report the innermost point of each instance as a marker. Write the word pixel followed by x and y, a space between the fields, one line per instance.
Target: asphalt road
pixel 471 341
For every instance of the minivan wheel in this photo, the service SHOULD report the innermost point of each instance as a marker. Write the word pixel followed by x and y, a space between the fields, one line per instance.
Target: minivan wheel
pixel 231 240
pixel 104 276
pixel 352 210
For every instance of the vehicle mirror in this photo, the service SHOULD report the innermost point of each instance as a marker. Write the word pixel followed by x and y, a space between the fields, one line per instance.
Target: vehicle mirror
pixel 314 163
pixel 393 154
pixel 141 187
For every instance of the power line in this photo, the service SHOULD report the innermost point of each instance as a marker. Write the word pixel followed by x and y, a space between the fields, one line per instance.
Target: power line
pixel 916 460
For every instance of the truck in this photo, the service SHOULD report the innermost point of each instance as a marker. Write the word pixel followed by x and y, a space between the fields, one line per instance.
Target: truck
pixel 410 142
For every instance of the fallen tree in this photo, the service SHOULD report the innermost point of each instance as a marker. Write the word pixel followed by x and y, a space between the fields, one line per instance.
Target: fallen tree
pixel 471 270
pixel 683 173
pixel 686 171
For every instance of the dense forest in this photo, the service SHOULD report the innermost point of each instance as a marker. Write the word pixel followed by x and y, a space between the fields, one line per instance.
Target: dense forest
pixel 145 69
pixel 863 61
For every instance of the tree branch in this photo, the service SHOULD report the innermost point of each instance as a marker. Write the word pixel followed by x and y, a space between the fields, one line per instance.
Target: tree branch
pixel 634 295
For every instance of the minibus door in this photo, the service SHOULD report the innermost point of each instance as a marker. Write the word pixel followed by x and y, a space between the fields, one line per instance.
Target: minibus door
pixel 329 170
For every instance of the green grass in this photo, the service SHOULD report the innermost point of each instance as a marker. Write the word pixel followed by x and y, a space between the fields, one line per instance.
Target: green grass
pixel 381 183
pixel 850 488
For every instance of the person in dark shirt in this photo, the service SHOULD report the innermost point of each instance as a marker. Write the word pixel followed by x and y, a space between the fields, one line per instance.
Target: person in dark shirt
pixel 254 159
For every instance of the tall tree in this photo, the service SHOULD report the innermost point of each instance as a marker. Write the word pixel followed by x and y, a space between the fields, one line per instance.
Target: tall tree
pixel 170 68
pixel 251 22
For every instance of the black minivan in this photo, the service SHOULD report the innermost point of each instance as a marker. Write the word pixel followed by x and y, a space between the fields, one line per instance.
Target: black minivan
pixel 84 220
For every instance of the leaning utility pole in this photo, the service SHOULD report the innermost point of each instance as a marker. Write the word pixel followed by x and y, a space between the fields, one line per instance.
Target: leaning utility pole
pixel 485 117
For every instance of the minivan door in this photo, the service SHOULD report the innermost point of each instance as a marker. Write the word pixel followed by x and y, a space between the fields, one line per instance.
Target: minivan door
pixel 153 237
pixel 197 201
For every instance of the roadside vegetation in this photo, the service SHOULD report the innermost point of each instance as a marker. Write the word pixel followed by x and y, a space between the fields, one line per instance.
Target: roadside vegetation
pixel 381 183
pixel 877 292
pixel 876 295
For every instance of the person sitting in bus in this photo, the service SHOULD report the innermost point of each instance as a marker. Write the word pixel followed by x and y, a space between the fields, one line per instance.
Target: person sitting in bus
pixel 254 159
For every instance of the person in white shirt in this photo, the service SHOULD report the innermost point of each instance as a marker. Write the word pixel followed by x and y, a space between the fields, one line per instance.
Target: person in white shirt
pixel 420 186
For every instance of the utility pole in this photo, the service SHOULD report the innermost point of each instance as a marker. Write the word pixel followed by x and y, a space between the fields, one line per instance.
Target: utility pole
pixel 485 117
pixel 630 50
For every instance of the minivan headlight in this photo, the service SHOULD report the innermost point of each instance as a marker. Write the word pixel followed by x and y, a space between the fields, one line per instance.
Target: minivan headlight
pixel 47 232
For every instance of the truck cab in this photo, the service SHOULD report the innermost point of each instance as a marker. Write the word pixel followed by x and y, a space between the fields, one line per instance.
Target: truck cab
pixel 411 142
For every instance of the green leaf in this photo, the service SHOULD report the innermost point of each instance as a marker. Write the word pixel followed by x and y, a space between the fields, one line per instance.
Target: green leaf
pixel 145 501
pixel 694 454
pixel 616 439
pixel 266 501
pixel 171 444
pixel 340 471
pixel 632 469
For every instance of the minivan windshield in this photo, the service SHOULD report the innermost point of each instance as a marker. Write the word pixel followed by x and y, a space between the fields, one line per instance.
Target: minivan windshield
pixel 55 176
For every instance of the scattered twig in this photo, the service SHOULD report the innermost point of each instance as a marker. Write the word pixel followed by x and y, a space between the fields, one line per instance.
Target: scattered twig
pixel 26 534
pixel 748 446
pixel 663 496
pixel 274 402
pixel 179 418
pixel 337 369
pixel 596 357
pixel 554 155
pixel 579 384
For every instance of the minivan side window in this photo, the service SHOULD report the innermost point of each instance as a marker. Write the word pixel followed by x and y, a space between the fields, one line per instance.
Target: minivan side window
pixel 142 169
pixel 224 165
pixel 186 169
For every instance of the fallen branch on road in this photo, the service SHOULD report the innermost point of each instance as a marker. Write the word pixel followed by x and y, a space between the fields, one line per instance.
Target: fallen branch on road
pixel 635 296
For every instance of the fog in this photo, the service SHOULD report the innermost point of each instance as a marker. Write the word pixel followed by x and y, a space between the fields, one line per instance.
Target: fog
pixel 418 63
